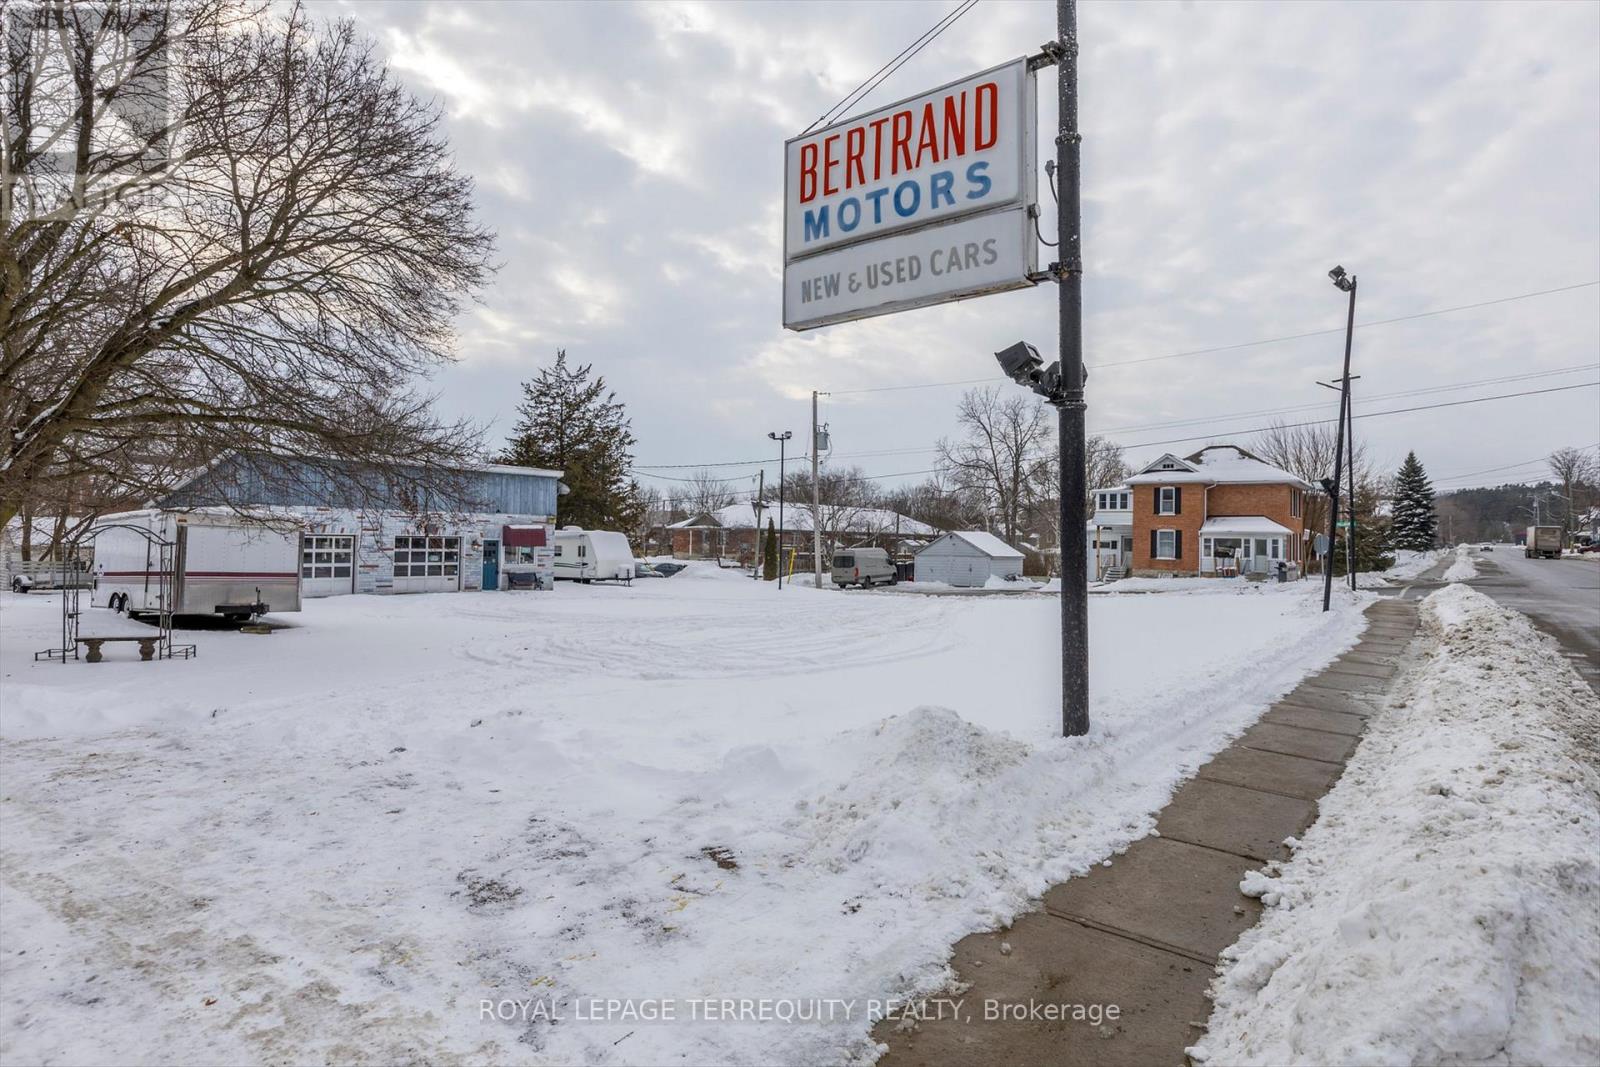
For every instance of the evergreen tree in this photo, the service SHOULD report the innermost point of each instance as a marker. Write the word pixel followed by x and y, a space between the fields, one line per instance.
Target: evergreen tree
pixel 769 554
pixel 1414 524
pixel 569 423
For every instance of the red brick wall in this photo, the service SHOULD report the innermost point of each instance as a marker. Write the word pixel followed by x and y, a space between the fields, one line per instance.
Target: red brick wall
pixel 1191 514
pixel 1273 501
pixel 1196 504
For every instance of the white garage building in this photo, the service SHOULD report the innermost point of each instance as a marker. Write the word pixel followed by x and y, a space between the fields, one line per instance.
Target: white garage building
pixel 498 528
pixel 968 558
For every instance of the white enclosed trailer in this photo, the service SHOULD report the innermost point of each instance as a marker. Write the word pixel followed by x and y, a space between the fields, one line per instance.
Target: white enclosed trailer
pixel 220 563
pixel 593 555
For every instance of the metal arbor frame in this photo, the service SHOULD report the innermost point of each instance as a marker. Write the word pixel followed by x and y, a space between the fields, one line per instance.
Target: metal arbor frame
pixel 71 603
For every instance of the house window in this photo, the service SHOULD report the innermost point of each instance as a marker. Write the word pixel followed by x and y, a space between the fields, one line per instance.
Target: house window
pixel 1166 544
pixel 1167 500
pixel 1294 503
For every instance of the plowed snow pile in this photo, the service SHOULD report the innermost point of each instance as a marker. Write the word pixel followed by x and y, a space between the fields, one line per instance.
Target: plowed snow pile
pixel 1445 908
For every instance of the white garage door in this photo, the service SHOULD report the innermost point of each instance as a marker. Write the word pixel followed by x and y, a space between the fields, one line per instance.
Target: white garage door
pixel 327 564
pixel 424 564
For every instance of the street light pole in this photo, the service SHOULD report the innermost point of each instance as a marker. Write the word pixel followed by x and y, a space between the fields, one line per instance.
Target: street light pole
pixel 1073 486
pixel 1350 461
pixel 1348 284
pixel 783 440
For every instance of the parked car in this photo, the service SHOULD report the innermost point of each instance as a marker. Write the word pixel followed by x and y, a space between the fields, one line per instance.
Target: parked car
pixel 864 567
pixel 1592 546
pixel 667 568
pixel 646 570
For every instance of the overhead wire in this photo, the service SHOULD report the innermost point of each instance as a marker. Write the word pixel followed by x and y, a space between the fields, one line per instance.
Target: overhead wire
pixel 885 72
pixel 1242 344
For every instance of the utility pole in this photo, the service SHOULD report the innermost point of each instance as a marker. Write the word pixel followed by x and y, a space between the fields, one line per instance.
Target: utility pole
pixel 1348 407
pixel 758 505
pixel 816 496
pixel 1350 466
pixel 783 441
pixel 1073 487
pixel 1348 284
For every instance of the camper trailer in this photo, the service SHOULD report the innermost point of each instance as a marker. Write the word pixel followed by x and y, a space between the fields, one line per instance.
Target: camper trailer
pixel 593 555
pixel 209 561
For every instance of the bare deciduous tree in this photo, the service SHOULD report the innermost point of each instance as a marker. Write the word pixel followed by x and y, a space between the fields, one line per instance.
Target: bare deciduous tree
pixel 247 233
pixel 706 492
pixel 1002 450
pixel 1308 453
pixel 1573 468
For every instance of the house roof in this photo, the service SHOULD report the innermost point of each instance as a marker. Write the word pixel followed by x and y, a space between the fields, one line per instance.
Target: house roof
pixel 1215 465
pixel 987 543
pixel 797 517
pixel 1242 524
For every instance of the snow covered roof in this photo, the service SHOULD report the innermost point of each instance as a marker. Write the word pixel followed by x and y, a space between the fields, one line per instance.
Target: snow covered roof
pixel 1215 465
pixel 987 543
pixel 797 517
pixel 1242 524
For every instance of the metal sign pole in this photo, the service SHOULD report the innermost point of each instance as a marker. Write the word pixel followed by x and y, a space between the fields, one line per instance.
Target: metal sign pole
pixel 1074 477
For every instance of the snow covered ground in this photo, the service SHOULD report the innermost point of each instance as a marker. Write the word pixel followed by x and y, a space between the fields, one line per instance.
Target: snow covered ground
pixel 338 841
pixel 1445 908
pixel 1462 568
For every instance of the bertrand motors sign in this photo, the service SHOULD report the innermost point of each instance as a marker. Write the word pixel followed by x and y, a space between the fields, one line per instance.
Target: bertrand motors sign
pixel 918 203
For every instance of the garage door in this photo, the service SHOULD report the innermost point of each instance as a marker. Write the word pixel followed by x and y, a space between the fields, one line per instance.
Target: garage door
pixel 327 564
pixel 425 564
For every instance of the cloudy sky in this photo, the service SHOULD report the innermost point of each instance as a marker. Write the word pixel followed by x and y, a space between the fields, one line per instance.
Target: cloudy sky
pixel 630 157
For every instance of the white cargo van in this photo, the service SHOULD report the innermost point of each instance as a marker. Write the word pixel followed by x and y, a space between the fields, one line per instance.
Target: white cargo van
pixel 865 567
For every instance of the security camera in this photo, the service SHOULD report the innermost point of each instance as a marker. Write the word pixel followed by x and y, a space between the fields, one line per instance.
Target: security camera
pixel 1021 362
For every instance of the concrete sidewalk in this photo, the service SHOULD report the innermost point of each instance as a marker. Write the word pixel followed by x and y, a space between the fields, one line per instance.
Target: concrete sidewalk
pixel 1144 932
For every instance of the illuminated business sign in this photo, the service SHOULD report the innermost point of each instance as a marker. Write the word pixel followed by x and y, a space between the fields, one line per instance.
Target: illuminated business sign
pixel 865 201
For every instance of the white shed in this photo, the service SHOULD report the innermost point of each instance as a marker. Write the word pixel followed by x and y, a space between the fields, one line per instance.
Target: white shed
pixel 968 558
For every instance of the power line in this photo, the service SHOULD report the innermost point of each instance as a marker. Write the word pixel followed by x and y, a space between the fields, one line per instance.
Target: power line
pixel 1509 466
pixel 885 72
pixel 1373 414
pixel 1167 441
pixel 1242 344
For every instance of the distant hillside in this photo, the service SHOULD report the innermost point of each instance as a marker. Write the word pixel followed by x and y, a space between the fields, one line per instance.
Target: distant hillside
pixel 1492 514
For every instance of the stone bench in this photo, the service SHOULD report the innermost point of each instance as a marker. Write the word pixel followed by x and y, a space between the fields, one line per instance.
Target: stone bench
pixel 147 646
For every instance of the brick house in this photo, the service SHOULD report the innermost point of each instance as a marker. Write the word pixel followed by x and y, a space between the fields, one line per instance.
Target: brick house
pixel 734 532
pixel 1221 511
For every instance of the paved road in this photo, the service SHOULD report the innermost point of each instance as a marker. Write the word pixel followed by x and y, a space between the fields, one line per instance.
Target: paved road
pixel 1561 596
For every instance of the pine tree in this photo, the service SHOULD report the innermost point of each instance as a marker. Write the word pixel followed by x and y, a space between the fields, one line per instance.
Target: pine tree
pixel 769 554
pixel 569 423
pixel 1414 524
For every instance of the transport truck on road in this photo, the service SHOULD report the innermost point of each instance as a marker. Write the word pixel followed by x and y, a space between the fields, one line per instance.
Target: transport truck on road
pixel 1544 542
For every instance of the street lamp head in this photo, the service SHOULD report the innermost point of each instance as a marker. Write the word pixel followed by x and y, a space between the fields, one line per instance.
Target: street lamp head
pixel 1344 281
pixel 784 436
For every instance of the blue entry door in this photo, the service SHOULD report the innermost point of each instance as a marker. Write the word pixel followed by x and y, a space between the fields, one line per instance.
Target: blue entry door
pixel 491 564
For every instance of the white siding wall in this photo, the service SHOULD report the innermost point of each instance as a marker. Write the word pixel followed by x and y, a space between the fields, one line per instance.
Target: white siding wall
pixel 375 534
pixel 955 562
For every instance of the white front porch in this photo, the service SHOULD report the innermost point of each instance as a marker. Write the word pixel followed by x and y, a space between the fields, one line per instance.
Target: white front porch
pixel 1110 548
pixel 1244 544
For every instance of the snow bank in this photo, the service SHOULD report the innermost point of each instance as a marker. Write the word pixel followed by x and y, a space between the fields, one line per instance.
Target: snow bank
pixel 1463 568
pixel 1445 908
pixel 335 842
pixel 1408 563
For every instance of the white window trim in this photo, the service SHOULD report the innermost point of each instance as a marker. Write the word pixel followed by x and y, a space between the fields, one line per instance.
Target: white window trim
pixel 1172 552
pixel 1161 500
